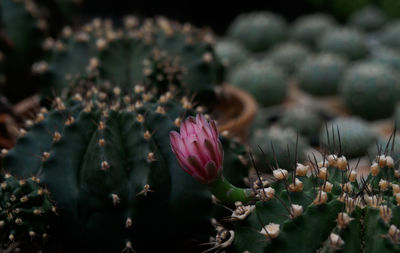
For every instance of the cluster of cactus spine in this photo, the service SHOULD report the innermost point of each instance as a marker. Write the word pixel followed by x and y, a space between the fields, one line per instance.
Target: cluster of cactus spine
pixel 119 54
pixel 105 158
pixel 325 206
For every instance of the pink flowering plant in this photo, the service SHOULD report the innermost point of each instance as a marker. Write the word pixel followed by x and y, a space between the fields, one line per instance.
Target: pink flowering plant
pixel 199 153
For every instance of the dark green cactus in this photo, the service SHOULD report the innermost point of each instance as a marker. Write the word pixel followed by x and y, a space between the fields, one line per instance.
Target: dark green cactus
pixel 264 80
pixel 276 144
pixel 258 31
pixel 105 157
pixel 386 56
pixel 368 18
pixel 288 55
pixel 231 53
pixel 321 74
pixel 320 207
pixel 26 212
pixel 118 54
pixel 302 119
pixel 308 29
pixel 355 136
pixel 344 41
pixel 370 90
pixel 391 35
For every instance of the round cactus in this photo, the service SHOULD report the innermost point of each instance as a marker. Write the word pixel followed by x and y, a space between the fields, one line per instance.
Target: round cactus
pixel 308 29
pixel 369 18
pixel 370 90
pixel 387 56
pixel 391 35
pixel 265 81
pixel 348 136
pixel 105 157
pixel 321 74
pixel 258 31
pixel 276 144
pixel 288 55
pixel 302 119
pixel 346 42
pixel 121 54
pixel 231 53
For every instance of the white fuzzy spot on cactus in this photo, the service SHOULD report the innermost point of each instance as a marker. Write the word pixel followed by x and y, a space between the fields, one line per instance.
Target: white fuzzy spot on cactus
pixel 295 211
pixel 45 156
pixel 271 230
pixel 128 223
pixel 395 188
pixel 265 194
pixel 145 191
pixel 297 186
pixel 40 67
pixel 321 198
pixel 115 199
pixel 352 176
pixel 280 174
pixel 383 185
pixel 343 220
pixel 335 242
pixel 147 135
pixel 104 165
pixel 394 234
pixel 101 44
pixel 322 173
pixel 385 213
pixel 301 170
pixel 241 211
pixel 347 187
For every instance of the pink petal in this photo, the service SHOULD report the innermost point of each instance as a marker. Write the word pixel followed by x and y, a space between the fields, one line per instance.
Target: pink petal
pixel 204 157
pixel 212 170
pixel 194 161
pixel 211 150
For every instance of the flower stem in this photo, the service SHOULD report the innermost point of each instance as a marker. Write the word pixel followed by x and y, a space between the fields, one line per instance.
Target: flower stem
pixel 227 193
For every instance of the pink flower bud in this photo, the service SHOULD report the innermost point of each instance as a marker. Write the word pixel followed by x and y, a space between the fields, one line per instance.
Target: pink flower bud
pixel 198 148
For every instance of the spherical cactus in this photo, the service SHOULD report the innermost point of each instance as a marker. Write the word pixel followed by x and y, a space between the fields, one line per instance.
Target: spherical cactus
pixel 391 35
pixel 288 55
pixel 348 136
pixel 369 18
pixel 302 119
pixel 308 29
pixel 26 212
pixel 231 53
pixel 386 56
pixel 105 158
pixel 320 74
pixel 258 31
pixel 120 54
pixel 278 148
pixel 322 206
pixel 346 42
pixel 265 81
pixel 370 90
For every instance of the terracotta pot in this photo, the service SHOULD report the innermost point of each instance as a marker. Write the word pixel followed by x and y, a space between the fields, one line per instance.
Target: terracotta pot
pixel 235 112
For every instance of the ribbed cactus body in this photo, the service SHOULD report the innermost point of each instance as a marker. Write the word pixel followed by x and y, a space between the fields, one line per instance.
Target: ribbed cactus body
pixel 343 41
pixel 258 31
pixel 265 81
pixel 370 90
pixel 289 55
pixel 321 74
pixel 106 160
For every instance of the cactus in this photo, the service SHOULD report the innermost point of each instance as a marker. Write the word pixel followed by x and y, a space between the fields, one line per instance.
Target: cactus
pixel 106 160
pixel 288 55
pixel 370 90
pixel 231 53
pixel 346 42
pixel 382 145
pixel 265 81
pixel 26 212
pixel 355 136
pixel 390 35
pixel 317 208
pixel 386 56
pixel 320 74
pixel 308 29
pixel 369 18
pixel 118 54
pixel 302 119
pixel 258 31
pixel 276 144
pixel 22 33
